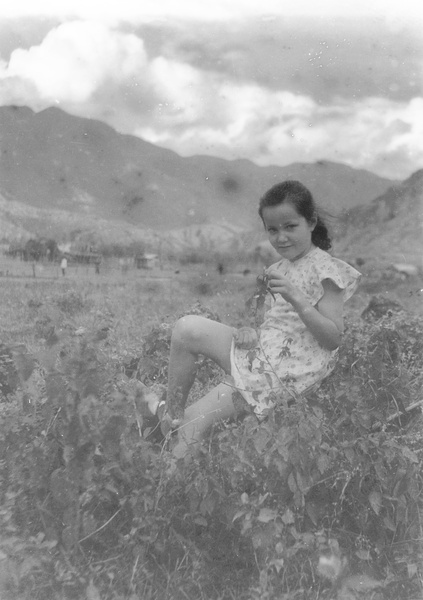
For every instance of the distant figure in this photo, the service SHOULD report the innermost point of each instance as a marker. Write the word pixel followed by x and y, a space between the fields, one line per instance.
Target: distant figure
pixel 123 264
pixel 97 266
pixel 64 265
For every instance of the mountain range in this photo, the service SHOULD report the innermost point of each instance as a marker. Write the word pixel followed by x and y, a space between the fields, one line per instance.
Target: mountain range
pixel 67 177
pixel 390 227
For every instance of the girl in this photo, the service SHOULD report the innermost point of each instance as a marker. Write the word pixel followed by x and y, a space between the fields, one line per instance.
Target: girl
pixel 293 349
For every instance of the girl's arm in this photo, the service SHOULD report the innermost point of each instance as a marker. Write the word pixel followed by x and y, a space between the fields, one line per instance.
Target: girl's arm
pixel 325 320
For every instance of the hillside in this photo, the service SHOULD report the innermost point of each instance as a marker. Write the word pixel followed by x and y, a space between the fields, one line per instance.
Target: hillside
pixel 61 173
pixel 390 227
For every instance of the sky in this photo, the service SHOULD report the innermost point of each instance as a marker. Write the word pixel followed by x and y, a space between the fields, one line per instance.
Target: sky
pixel 272 81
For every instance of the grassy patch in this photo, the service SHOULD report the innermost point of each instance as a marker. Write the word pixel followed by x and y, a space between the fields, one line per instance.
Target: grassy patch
pixel 320 501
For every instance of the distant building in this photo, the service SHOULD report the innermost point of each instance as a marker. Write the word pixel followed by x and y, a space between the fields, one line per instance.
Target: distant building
pixel 65 248
pixel 146 261
pixel 85 258
pixel 16 250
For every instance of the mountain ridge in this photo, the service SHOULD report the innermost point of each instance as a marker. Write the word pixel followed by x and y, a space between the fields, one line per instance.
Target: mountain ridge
pixel 52 160
pixel 70 177
pixel 391 226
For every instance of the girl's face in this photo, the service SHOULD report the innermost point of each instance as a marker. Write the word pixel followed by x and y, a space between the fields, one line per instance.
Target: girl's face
pixel 288 232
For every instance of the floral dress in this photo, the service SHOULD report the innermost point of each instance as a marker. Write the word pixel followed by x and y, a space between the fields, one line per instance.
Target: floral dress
pixel 288 359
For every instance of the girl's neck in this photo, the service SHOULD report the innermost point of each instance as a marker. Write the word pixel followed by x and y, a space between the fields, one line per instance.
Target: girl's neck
pixel 312 247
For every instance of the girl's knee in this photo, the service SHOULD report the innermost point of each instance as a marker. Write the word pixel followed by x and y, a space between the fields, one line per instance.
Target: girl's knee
pixel 187 330
pixel 197 335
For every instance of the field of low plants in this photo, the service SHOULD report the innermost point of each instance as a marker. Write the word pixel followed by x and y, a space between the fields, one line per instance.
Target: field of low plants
pixel 321 501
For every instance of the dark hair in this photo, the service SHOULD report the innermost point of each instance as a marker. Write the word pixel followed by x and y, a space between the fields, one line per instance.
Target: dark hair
pixel 301 199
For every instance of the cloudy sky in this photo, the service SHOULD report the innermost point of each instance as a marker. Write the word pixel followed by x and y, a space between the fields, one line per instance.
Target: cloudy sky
pixel 274 81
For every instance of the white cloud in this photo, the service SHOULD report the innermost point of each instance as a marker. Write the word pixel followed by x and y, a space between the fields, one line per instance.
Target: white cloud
pixel 74 60
pixel 281 127
pixel 92 69
pixel 180 88
pixel 377 127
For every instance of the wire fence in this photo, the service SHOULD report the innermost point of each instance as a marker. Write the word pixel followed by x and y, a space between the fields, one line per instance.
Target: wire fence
pixel 17 268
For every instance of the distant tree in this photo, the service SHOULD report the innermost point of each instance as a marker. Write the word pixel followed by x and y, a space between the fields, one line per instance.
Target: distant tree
pixel 39 249
pixel 52 249
pixel 17 250
pixel 138 248
pixel 33 250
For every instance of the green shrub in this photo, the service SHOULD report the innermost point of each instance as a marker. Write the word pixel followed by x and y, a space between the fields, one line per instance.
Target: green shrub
pixel 334 479
pixel 319 500
pixel 72 302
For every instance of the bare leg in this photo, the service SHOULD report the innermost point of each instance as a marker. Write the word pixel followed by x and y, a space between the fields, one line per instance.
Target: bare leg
pixel 200 416
pixel 194 335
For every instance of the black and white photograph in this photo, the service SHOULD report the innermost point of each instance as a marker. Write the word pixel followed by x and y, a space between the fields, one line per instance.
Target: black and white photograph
pixel 211 300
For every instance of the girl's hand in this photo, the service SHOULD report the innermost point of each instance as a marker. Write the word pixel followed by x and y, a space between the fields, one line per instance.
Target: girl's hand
pixel 245 337
pixel 167 424
pixel 279 284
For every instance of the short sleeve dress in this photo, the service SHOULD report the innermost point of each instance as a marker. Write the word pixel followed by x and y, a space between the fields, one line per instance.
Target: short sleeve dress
pixel 288 360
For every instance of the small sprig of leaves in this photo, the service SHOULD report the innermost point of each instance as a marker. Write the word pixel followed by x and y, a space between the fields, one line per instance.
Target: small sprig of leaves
pixel 263 285
pixel 255 303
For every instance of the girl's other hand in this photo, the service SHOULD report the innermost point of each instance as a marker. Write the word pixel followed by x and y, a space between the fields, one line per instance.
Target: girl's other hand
pixel 245 337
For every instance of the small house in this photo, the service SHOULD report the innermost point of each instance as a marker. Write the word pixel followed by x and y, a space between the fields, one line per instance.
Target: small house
pixel 85 258
pixel 146 261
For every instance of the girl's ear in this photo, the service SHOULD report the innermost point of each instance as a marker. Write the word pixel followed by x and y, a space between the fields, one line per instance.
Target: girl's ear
pixel 313 223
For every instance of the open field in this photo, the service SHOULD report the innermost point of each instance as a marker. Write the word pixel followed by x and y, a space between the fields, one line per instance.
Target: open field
pixel 305 505
pixel 138 298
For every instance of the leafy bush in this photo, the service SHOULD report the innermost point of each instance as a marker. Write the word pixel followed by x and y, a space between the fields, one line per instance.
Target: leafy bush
pixel 71 302
pixel 151 366
pixel 319 500
pixel 335 478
